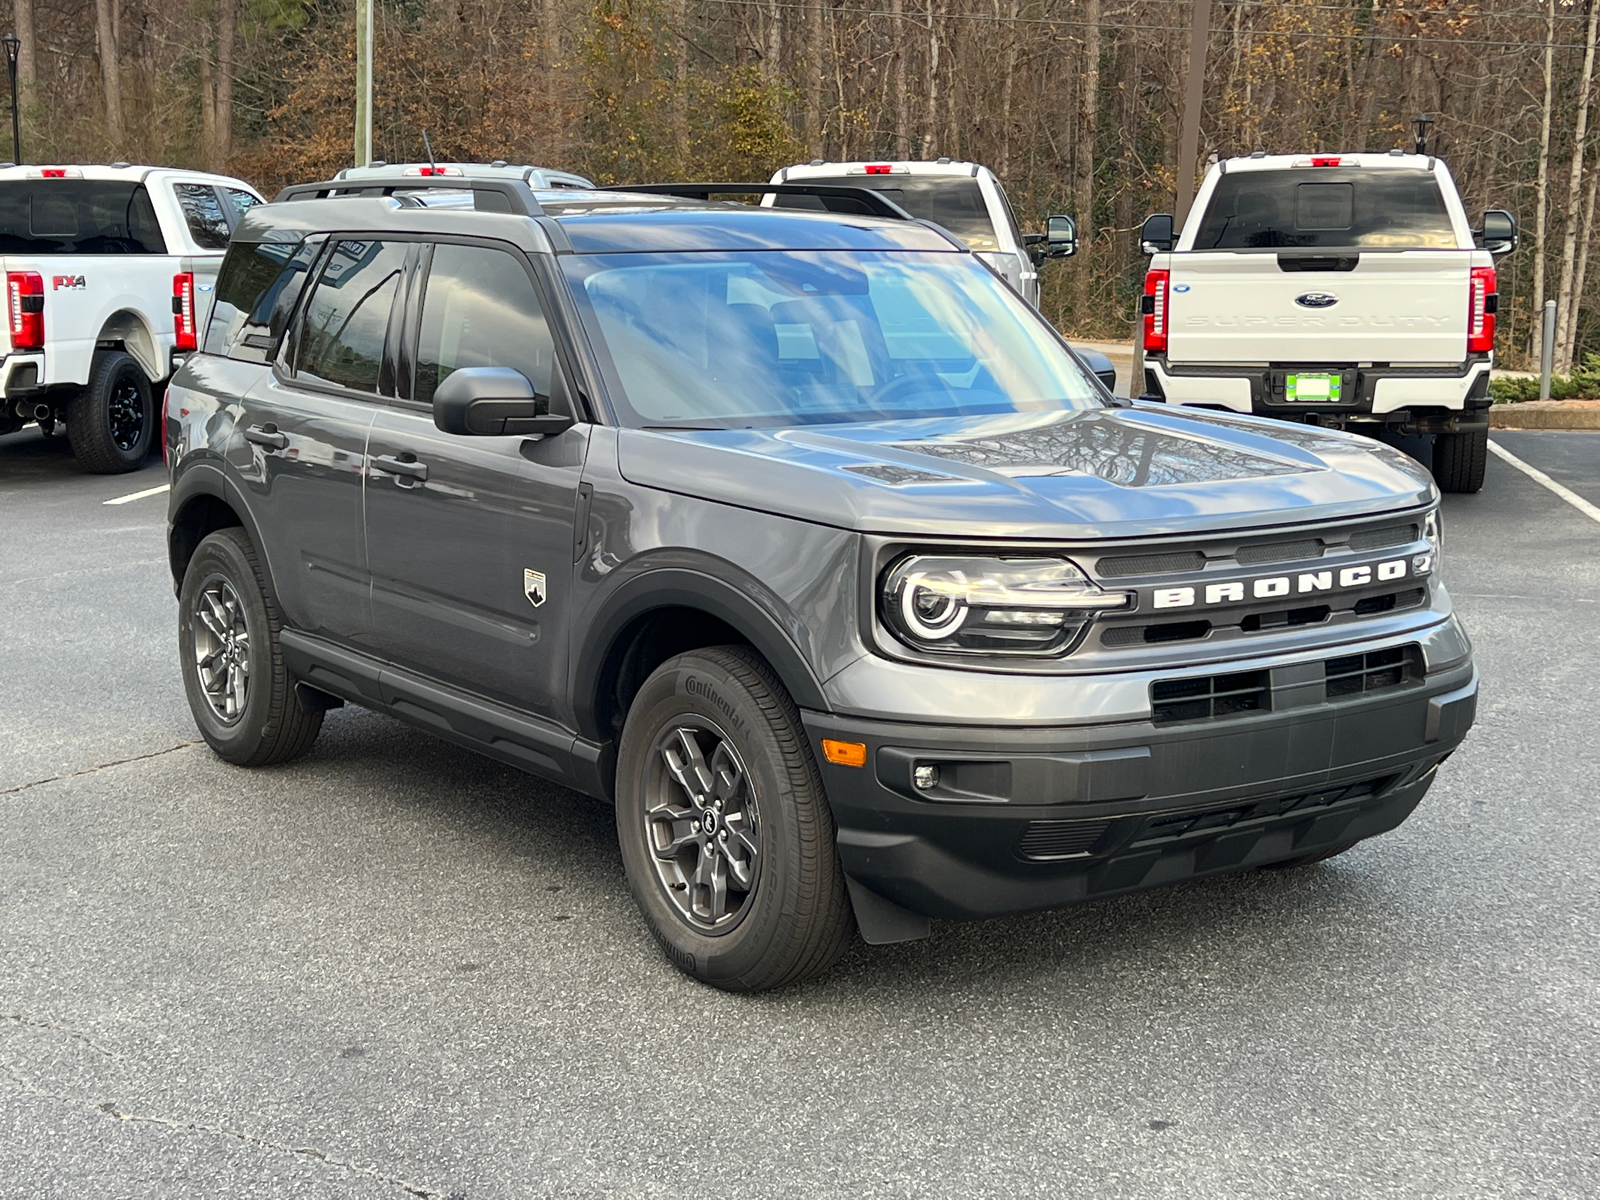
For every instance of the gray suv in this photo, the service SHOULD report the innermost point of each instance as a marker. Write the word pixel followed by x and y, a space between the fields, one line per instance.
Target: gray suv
pixel 802 540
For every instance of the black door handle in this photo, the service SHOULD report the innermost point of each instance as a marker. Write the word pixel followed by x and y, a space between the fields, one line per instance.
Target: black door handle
pixel 266 435
pixel 390 465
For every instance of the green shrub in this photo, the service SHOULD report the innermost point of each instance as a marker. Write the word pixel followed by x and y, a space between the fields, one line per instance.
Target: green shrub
pixel 1582 384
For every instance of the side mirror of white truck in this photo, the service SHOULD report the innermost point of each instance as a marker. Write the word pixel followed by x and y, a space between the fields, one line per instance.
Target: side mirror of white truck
pixel 1157 235
pixel 1061 237
pixel 1499 232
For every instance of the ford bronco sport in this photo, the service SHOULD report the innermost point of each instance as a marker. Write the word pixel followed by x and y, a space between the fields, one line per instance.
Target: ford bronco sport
pixel 802 540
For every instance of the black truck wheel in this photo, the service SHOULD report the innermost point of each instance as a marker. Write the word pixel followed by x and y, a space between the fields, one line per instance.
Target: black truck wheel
pixel 242 697
pixel 112 423
pixel 1459 460
pixel 725 830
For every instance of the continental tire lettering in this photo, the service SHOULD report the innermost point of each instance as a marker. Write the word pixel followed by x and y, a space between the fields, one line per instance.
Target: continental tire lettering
pixel 702 689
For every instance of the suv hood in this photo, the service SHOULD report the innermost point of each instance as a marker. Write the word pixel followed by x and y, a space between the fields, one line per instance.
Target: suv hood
pixel 1092 473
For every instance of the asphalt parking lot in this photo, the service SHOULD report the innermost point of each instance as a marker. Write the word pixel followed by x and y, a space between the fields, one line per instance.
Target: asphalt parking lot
pixel 394 968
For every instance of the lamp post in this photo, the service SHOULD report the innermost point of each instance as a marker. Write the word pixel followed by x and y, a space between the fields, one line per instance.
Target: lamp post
pixel 13 44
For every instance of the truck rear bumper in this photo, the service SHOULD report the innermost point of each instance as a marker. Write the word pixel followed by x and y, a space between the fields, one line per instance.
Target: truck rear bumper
pixel 1371 393
pixel 1021 820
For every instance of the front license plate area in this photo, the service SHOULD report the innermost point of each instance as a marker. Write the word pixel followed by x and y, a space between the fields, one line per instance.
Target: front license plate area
pixel 1313 388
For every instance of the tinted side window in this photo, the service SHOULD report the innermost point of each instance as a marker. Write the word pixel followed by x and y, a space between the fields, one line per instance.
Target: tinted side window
pixel 202 213
pixel 1337 207
pixel 256 291
pixel 954 201
pixel 77 216
pixel 481 310
pixel 347 317
pixel 242 200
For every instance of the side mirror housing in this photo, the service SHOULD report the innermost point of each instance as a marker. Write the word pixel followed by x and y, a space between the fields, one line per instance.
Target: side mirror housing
pixel 1157 235
pixel 494 401
pixel 1061 238
pixel 1499 232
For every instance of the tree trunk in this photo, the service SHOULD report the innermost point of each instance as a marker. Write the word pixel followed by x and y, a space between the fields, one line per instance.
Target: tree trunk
pixel 815 53
pixel 1541 205
pixel 930 128
pixel 1007 89
pixel 1087 142
pixel 222 139
pixel 678 14
pixel 900 102
pixel 1566 317
pixel 208 99
pixel 1583 252
pixel 109 73
pixel 28 50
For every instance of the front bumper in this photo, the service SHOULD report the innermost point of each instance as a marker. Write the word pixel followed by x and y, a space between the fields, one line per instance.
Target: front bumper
pixel 1033 818
pixel 1446 400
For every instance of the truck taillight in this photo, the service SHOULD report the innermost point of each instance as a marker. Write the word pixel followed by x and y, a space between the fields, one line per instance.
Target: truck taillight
pixel 25 306
pixel 1155 311
pixel 183 310
pixel 1480 311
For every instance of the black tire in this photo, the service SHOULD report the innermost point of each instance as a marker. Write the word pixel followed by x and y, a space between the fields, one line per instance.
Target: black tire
pixel 793 920
pixel 268 724
pixel 1305 860
pixel 112 423
pixel 1459 460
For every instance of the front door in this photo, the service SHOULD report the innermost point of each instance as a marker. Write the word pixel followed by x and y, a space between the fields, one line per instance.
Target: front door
pixel 469 539
pixel 302 452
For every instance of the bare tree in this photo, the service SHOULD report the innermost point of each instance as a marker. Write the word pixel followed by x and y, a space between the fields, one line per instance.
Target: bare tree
pixel 1566 299
pixel 1541 204
pixel 110 72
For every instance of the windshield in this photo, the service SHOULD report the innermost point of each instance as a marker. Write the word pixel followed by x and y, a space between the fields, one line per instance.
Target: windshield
pixel 954 201
pixel 735 340
pixel 1329 206
pixel 77 216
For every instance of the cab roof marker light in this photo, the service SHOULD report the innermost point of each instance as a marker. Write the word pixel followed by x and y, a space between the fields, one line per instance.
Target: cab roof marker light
pixel 57 173
pixel 431 172
pixel 878 169
pixel 1320 160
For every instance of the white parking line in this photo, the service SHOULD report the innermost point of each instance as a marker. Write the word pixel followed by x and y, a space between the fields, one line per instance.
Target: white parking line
pixel 1567 494
pixel 132 496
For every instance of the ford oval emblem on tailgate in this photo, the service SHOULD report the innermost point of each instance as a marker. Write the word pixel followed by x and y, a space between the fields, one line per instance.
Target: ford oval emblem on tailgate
pixel 1316 300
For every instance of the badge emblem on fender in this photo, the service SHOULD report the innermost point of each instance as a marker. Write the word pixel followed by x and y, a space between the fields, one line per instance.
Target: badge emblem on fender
pixel 533 586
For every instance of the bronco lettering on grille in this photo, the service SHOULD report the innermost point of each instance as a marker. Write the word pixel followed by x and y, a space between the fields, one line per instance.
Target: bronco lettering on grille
pixel 1271 587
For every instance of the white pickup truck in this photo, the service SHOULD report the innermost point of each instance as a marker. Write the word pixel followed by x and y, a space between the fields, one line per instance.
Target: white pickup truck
pixel 108 275
pixel 1342 290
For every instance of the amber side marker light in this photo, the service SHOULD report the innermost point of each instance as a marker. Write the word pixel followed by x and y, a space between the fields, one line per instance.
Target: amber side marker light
pixel 845 754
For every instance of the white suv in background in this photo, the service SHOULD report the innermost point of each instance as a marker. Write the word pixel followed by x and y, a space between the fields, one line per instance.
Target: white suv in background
pixel 537 178
pixel 1342 290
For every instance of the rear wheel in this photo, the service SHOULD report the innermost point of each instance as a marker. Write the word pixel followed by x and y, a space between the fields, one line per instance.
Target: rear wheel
pixel 1459 460
pixel 725 831
pixel 112 423
pixel 242 697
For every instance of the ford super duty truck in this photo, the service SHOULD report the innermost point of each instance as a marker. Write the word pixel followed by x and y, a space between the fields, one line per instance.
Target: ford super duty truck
pixel 1343 290
pixel 108 275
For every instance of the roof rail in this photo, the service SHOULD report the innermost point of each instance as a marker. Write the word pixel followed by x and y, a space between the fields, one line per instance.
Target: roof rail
pixel 875 202
pixel 488 195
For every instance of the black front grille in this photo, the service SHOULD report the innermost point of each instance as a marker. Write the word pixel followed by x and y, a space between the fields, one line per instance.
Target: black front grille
pixel 1392 535
pixel 1210 696
pixel 1170 631
pixel 1355 674
pixel 1060 839
pixel 1279 552
pixel 1390 601
pixel 1150 564
pixel 1256 622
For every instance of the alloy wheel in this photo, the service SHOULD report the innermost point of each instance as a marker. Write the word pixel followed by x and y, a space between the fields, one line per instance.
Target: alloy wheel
pixel 125 414
pixel 702 825
pixel 222 649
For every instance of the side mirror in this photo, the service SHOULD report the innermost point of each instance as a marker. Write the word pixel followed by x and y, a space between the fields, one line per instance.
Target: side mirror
pixel 490 401
pixel 1499 232
pixel 1157 237
pixel 1061 240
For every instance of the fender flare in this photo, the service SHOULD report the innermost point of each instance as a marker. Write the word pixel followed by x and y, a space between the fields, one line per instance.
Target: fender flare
pixel 207 479
pixel 685 587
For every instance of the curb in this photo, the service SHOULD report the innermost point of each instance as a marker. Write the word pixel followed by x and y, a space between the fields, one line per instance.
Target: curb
pixel 1534 415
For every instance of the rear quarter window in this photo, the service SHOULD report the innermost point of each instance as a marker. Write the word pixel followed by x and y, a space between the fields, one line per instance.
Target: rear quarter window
pixel 77 216
pixel 257 289
pixel 1330 207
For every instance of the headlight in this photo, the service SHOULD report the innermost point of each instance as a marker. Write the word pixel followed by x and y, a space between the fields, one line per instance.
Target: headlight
pixel 1433 530
pixel 991 605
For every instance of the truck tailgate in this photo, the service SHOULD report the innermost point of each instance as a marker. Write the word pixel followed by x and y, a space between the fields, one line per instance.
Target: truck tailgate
pixel 1398 307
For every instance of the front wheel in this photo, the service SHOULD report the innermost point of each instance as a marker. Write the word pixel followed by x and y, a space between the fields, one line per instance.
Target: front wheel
pixel 1460 459
pixel 725 831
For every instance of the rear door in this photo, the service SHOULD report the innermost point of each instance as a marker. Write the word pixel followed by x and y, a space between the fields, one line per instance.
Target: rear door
pixel 301 453
pixel 1321 265
pixel 470 539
